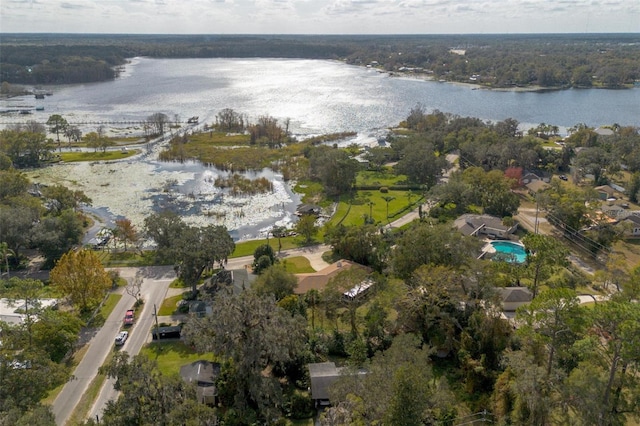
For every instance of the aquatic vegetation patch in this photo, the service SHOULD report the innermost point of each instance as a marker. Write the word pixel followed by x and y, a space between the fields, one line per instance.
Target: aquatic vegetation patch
pixel 240 185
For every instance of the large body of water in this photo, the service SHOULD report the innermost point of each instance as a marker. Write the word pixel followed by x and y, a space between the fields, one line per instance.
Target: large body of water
pixel 317 96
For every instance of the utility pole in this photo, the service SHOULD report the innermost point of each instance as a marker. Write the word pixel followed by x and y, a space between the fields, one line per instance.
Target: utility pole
pixel 155 314
pixel 535 226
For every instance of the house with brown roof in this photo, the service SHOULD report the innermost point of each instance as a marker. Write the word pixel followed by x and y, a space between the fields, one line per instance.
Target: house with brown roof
pixel 536 186
pixel 319 280
pixel 605 191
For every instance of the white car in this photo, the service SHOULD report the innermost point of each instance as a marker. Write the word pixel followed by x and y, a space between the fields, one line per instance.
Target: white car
pixel 121 338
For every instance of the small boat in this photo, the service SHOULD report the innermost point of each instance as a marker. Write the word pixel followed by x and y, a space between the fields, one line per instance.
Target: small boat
pixel 39 108
pixel 25 111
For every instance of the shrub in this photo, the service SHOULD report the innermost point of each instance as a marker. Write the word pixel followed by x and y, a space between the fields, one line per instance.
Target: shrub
pixel 336 344
pixel 299 406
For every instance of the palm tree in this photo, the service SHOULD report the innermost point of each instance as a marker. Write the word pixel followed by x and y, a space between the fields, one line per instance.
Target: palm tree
pixel 388 199
pixel 5 252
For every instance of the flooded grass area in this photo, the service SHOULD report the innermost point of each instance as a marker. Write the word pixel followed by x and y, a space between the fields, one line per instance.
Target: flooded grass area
pixel 140 185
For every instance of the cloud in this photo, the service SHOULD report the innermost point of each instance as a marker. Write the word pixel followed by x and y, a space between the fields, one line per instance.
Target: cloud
pixel 66 5
pixel 319 16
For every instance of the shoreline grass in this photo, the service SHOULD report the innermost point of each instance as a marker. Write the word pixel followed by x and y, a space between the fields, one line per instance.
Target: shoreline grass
pixel 71 157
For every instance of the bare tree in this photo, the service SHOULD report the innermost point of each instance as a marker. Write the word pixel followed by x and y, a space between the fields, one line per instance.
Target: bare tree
pixel 134 286
pixel 158 122
pixel 73 133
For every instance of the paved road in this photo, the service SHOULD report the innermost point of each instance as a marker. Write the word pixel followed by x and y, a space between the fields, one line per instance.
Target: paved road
pixel 155 285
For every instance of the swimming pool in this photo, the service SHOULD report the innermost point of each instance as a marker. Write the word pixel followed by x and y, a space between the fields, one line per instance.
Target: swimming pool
pixel 511 252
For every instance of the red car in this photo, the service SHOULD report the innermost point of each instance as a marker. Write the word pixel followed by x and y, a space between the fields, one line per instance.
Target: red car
pixel 128 317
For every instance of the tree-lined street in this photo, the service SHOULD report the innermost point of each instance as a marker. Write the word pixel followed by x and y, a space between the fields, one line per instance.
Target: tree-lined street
pixel 154 287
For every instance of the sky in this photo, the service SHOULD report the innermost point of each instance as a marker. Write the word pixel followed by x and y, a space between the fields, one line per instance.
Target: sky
pixel 320 16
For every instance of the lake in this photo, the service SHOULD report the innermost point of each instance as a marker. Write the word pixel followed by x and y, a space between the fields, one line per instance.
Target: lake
pixel 317 96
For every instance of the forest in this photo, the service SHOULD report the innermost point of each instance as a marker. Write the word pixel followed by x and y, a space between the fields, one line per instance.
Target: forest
pixel 498 61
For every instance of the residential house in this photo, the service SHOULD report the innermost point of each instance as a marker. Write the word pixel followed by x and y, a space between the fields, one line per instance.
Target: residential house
pixel 322 375
pixel 487 225
pixel 633 222
pixel 536 186
pixel 605 191
pixel 530 177
pixel 319 280
pixel 514 297
pixel 614 210
pixel 14 313
pixel 203 374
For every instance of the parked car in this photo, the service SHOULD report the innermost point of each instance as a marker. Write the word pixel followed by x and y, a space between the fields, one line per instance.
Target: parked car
pixel 128 317
pixel 121 338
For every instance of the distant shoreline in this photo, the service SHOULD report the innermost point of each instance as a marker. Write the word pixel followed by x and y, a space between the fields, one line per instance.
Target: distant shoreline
pixel 476 86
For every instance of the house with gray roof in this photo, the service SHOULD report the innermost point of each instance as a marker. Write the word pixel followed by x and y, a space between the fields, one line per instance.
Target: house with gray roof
pixel 514 297
pixel 322 375
pixel 632 222
pixel 203 374
pixel 483 224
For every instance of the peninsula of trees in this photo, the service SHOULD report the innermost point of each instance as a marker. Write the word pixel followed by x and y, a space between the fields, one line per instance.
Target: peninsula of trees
pixel 497 61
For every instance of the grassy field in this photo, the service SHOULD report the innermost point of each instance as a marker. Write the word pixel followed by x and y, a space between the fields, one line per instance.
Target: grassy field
pixel 385 177
pixel 247 248
pixel 297 265
pixel 170 356
pixel 354 211
pixel 70 157
pixel 106 309
pixel 213 138
pixel 168 306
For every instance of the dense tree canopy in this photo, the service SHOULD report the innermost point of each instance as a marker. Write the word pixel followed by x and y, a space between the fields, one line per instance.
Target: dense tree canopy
pixel 552 60
pixel 255 335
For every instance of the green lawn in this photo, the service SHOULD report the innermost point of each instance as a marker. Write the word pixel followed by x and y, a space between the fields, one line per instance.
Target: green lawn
pixel 106 309
pixel 70 157
pixel 297 265
pixel 386 177
pixel 170 356
pixel 374 203
pixel 219 139
pixel 110 304
pixel 168 306
pixel 247 248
